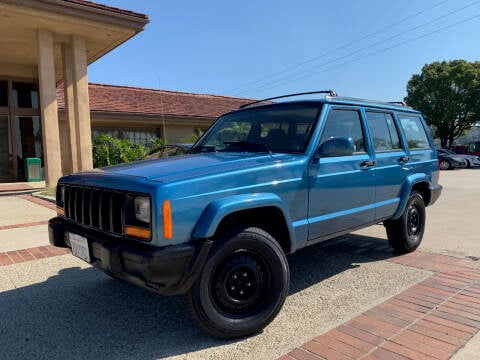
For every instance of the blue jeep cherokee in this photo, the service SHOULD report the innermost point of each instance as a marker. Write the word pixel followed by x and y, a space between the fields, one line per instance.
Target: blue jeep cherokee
pixel 264 181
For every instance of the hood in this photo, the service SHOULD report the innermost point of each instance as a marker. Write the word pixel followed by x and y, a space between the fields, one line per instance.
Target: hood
pixel 193 166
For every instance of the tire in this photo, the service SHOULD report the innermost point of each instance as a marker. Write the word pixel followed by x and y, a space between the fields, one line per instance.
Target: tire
pixel 405 234
pixel 469 164
pixel 242 286
pixel 444 165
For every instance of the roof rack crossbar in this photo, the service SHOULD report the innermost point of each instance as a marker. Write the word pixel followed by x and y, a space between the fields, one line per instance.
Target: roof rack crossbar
pixel 402 103
pixel 329 92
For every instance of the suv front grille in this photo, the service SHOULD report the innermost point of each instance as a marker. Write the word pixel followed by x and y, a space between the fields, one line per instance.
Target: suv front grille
pixel 99 208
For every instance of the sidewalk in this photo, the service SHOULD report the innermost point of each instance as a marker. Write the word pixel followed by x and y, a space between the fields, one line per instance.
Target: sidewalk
pixel 23 217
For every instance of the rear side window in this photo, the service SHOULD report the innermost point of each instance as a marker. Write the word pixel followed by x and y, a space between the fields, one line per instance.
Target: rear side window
pixel 414 131
pixel 383 130
pixel 347 124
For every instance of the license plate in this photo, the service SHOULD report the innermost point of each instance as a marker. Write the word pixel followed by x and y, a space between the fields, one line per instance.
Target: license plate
pixel 79 246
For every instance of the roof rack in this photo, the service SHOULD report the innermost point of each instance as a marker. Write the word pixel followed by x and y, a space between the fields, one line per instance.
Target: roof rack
pixel 397 103
pixel 329 92
pixel 402 103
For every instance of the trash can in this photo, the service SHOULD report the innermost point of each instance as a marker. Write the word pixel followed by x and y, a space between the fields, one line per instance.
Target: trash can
pixel 33 169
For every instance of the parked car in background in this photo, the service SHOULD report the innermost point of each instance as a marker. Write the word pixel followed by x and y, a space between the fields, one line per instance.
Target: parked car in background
pixel 449 161
pixel 472 160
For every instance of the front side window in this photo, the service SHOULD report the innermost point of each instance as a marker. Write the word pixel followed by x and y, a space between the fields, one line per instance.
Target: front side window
pixel 345 124
pixel 383 130
pixel 277 128
pixel 414 131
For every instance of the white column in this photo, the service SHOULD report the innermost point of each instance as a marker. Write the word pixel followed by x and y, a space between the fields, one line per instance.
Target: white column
pixel 82 105
pixel 48 108
pixel 69 99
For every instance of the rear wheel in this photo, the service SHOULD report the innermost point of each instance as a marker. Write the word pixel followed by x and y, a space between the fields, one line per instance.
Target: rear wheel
pixel 405 234
pixel 243 285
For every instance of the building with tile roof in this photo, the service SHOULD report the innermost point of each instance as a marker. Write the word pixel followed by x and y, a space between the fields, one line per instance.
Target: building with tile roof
pixel 45 42
pixel 139 114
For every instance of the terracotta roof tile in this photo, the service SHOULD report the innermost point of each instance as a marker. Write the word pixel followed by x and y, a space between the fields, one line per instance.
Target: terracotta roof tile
pixel 133 100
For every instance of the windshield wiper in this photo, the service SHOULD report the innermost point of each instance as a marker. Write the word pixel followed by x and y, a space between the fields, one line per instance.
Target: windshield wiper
pixel 201 149
pixel 248 146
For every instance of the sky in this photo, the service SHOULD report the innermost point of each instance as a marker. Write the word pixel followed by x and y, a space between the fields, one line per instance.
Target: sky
pixel 259 49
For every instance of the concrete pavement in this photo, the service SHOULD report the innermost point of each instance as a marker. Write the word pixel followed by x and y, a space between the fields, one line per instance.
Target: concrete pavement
pixel 56 306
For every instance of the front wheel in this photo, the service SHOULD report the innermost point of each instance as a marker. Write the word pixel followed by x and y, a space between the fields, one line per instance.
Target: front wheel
pixel 405 234
pixel 444 165
pixel 243 285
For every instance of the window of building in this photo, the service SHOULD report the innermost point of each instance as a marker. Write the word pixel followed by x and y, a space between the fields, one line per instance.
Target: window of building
pixel 25 95
pixel 414 131
pixel 383 130
pixel 3 93
pixel 140 137
pixel 137 136
pixel 346 124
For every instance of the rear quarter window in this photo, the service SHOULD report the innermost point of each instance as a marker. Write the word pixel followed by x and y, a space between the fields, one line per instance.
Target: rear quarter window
pixel 414 131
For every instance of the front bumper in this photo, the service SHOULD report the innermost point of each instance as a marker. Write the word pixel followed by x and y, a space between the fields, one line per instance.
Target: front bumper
pixel 459 164
pixel 168 270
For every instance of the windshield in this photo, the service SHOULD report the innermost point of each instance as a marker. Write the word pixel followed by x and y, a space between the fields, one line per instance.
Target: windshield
pixel 284 128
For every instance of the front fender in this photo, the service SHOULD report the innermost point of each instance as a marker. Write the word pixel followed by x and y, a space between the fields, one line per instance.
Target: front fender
pixel 406 190
pixel 217 210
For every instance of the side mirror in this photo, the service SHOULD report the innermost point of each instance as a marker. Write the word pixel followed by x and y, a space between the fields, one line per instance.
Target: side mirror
pixel 337 146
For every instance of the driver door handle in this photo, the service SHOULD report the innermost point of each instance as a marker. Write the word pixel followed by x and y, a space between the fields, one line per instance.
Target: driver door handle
pixel 404 159
pixel 367 164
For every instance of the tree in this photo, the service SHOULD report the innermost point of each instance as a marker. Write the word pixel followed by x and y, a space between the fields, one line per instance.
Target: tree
pixel 448 95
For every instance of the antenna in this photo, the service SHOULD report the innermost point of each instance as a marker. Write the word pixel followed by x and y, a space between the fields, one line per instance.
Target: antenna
pixel 164 133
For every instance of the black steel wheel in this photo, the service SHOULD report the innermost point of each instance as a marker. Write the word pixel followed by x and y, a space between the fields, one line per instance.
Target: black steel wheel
pixel 406 233
pixel 243 285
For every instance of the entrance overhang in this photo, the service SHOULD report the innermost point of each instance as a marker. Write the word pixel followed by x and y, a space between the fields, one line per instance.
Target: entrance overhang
pixel 52 41
pixel 103 29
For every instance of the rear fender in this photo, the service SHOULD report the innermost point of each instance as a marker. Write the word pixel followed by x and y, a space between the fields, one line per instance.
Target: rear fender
pixel 409 184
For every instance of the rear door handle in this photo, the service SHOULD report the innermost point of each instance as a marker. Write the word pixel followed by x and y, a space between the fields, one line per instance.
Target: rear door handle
pixel 404 159
pixel 367 164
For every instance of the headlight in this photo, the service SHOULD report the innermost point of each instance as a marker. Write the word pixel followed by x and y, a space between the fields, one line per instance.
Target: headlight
pixel 142 209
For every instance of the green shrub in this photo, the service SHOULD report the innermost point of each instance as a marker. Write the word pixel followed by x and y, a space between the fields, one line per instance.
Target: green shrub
pixel 108 151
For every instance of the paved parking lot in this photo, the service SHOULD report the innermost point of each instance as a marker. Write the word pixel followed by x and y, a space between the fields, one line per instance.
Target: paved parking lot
pixel 56 306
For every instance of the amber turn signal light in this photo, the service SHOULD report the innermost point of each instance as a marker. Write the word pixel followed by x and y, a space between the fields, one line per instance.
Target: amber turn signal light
pixel 138 232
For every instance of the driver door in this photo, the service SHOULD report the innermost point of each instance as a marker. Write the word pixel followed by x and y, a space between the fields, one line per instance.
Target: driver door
pixel 342 188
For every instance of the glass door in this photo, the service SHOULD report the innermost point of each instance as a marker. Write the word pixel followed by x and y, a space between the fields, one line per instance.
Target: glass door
pixel 6 156
pixel 20 127
pixel 28 141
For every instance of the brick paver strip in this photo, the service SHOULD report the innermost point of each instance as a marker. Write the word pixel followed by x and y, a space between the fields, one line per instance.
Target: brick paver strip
pixel 19 256
pixel 430 320
pixel 17 226
pixel 38 201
